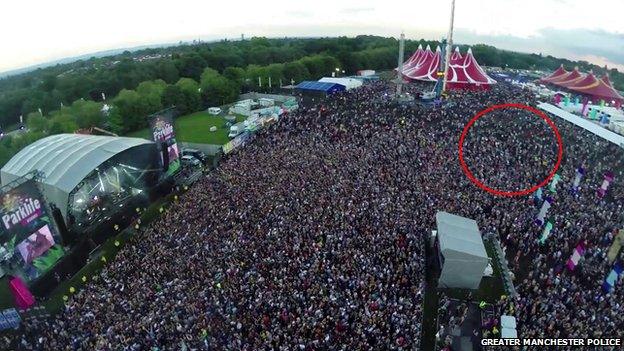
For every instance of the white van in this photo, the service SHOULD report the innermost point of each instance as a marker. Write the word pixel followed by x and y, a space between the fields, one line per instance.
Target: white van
pixel 235 130
pixel 214 110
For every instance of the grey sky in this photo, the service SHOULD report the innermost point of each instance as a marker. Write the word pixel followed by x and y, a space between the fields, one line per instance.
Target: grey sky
pixel 36 31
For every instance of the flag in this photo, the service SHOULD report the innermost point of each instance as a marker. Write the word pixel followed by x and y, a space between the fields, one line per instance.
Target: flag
pixel 557 99
pixel 580 171
pixel 612 277
pixel 585 108
pixel 537 197
pixel 542 212
pixel 566 101
pixel 576 256
pixel 608 178
pixel 546 233
pixel 553 183
pixel 593 113
pixel 576 101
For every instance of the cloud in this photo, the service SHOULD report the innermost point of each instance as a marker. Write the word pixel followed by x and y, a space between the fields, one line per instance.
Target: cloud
pixel 356 10
pixel 593 45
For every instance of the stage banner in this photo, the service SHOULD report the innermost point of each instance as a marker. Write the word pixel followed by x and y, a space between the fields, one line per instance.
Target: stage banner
pixel 29 242
pixel 164 137
pixel 618 241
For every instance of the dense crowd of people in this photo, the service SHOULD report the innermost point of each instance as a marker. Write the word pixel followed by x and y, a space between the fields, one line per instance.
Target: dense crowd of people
pixel 312 236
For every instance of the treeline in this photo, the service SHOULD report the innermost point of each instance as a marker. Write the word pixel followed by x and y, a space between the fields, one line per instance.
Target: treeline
pixel 64 98
pixel 239 61
pixel 206 74
pixel 96 78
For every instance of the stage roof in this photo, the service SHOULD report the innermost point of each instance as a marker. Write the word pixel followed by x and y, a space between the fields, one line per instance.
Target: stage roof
pixel 65 160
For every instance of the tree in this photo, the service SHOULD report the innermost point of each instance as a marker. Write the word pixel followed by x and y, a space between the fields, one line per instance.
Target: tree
pixel 191 65
pixel 166 70
pixel 63 122
pixel 192 96
pixel 235 74
pixel 173 96
pixel 87 113
pixel 36 122
pixel 216 89
pixel 131 111
pixel 151 94
pixel 296 71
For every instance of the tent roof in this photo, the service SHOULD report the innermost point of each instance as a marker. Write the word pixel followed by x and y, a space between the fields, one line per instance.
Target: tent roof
pixel 558 72
pixel 574 81
pixel 319 86
pixel 456 56
pixel 564 77
pixel 414 58
pixel 468 71
pixel 600 89
pixel 66 159
pixel 349 83
pixel 569 78
pixel 586 80
pixel 459 234
pixel 462 70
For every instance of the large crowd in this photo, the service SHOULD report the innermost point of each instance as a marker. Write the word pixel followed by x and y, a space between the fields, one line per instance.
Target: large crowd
pixel 312 236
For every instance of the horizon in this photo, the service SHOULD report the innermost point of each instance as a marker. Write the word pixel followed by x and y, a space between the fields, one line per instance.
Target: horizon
pixel 562 28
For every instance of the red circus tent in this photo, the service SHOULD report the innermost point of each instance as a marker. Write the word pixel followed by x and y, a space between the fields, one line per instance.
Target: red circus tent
pixel 566 78
pixel 585 80
pixel 464 72
pixel 414 58
pixel 560 71
pixel 467 74
pixel 573 80
pixel 456 57
pixel 599 89
pixel 426 68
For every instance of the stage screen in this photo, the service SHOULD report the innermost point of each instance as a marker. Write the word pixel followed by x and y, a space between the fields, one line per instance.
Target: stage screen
pixel 29 241
pixel 36 244
pixel 164 136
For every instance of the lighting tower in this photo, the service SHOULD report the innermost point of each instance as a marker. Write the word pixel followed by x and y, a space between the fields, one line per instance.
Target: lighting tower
pixel 449 44
pixel 399 80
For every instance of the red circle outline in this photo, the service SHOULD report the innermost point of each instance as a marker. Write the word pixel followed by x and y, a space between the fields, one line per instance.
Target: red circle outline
pixel 478 183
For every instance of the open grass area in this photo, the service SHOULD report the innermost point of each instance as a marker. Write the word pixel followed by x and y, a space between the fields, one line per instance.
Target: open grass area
pixel 195 128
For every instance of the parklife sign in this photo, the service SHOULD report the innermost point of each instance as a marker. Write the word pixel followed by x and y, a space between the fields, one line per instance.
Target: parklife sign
pixel 24 211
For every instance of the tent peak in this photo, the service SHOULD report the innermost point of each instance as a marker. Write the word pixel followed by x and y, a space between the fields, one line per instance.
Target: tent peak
pixel 469 51
pixel 457 49
pixel 420 46
pixel 438 48
pixel 428 48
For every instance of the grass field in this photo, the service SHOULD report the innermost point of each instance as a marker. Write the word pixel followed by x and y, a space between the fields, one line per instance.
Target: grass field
pixel 195 128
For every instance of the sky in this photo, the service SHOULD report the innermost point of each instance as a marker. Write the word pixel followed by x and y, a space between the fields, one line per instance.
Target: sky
pixel 38 31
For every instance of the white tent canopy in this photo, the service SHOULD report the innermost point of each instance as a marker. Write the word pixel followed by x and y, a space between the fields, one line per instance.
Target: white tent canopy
pixel 65 160
pixel 462 250
pixel 349 83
